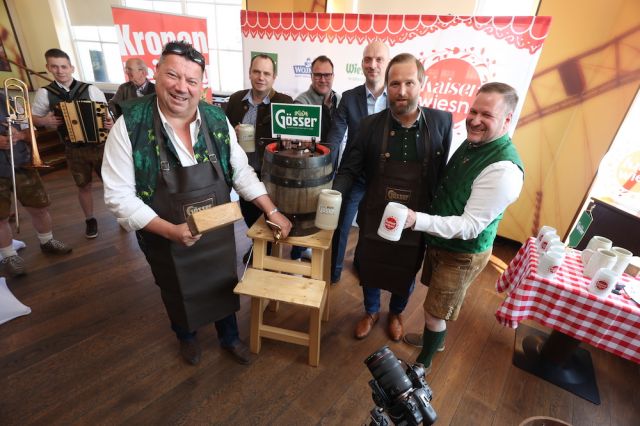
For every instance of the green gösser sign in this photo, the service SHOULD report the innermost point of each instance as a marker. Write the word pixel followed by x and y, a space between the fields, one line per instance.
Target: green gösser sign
pixel 296 121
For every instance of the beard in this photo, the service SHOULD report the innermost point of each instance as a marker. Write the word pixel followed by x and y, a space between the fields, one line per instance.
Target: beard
pixel 402 109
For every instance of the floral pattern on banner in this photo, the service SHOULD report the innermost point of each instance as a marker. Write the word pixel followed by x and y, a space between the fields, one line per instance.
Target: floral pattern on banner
pixel 523 32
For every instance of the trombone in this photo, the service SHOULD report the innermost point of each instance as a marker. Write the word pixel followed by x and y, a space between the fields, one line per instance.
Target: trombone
pixel 19 113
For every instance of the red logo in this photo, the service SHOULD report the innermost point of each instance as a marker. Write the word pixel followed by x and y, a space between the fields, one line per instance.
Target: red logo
pixel 602 285
pixel 451 85
pixel 553 269
pixel 390 223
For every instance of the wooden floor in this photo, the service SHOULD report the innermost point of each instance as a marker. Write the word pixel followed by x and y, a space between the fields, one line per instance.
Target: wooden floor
pixel 97 349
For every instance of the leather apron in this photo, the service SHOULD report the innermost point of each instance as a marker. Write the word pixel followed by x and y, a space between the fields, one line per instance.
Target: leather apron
pixel 387 264
pixel 196 282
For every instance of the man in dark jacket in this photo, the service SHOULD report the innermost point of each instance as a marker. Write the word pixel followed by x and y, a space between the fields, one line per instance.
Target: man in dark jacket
pixel 253 106
pixel 137 86
pixel 401 153
pixel 356 104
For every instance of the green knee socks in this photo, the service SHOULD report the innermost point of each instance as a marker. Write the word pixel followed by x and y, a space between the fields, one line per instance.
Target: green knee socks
pixel 431 341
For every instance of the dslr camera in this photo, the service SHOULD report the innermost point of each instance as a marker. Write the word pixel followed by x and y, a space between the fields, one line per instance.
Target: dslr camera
pixel 402 396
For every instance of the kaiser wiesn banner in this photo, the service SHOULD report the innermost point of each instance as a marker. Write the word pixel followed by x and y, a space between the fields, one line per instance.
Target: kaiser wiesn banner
pixel 459 53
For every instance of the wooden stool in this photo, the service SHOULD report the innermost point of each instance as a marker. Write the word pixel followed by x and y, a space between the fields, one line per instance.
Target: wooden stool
pixel 311 291
pixel 264 286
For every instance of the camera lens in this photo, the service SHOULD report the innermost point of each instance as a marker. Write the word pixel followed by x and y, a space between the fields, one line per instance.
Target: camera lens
pixel 386 369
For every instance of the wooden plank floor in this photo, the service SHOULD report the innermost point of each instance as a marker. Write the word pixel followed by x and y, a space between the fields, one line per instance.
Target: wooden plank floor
pixel 97 349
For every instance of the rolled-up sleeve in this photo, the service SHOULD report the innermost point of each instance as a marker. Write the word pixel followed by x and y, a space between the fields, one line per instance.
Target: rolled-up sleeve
pixel 245 180
pixel 119 181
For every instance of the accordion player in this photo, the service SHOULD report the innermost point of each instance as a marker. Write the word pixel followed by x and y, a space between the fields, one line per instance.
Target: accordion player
pixel 84 120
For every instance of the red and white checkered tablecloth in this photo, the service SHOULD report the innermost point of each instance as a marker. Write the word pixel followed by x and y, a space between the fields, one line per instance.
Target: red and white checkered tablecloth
pixel 564 304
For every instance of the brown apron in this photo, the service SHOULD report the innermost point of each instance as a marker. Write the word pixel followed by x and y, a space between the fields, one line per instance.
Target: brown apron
pixel 196 282
pixel 387 264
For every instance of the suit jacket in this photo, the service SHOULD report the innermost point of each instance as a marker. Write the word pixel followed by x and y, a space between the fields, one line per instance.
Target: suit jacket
pixel 351 110
pixel 125 92
pixel 235 110
pixel 362 157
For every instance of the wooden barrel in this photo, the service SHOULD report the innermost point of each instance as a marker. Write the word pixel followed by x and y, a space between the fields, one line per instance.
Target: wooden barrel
pixel 294 179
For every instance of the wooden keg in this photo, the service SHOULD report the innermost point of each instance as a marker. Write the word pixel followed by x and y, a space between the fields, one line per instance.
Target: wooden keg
pixel 294 178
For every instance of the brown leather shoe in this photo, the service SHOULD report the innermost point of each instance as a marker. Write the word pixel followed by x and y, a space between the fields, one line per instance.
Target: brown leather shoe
pixel 395 327
pixel 190 351
pixel 240 352
pixel 364 326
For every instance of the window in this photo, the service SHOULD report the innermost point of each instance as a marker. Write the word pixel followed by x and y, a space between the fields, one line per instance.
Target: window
pixel 99 53
pixel 225 70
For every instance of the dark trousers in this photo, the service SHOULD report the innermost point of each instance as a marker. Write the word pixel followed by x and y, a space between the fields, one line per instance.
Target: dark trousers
pixel 341 235
pixel 227 329
pixel 397 303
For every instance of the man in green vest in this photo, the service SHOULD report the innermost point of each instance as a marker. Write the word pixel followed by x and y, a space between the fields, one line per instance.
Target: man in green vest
pixel 482 178
pixel 167 155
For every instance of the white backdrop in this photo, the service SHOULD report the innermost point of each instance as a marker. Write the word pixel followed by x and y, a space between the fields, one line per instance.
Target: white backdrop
pixel 459 53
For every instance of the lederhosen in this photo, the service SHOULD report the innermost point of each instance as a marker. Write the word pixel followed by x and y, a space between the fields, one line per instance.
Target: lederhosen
pixel 384 264
pixel 197 282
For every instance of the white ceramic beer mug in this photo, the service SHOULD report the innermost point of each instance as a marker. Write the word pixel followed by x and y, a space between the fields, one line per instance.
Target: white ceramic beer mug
pixel 246 137
pixel 328 211
pixel 603 282
pixel 624 257
pixel 549 263
pixel 598 260
pixel 544 230
pixel 598 242
pixel 393 220
pixel 549 238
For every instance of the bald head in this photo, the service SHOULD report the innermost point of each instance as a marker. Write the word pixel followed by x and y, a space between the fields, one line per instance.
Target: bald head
pixel 375 58
pixel 136 70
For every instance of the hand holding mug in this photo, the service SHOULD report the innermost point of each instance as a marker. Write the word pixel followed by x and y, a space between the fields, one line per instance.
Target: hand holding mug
pixel 411 219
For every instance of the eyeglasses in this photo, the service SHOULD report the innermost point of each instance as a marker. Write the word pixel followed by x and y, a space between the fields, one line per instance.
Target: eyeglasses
pixel 181 48
pixel 320 75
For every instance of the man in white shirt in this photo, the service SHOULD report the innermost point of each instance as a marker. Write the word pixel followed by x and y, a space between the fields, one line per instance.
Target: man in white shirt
pixel 82 158
pixel 482 178
pixel 169 154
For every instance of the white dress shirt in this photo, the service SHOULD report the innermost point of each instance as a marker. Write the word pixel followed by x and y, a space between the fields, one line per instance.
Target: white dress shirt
pixel 497 186
pixel 40 105
pixel 118 173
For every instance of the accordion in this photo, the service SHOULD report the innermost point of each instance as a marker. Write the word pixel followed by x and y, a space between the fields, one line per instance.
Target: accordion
pixel 84 121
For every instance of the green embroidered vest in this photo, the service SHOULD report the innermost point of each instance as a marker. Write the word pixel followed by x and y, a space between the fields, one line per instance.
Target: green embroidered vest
pixel 455 188
pixel 138 115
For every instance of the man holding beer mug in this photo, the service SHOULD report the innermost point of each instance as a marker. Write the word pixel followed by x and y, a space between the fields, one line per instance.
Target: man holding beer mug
pixel 401 152
pixel 482 178
pixel 253 107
